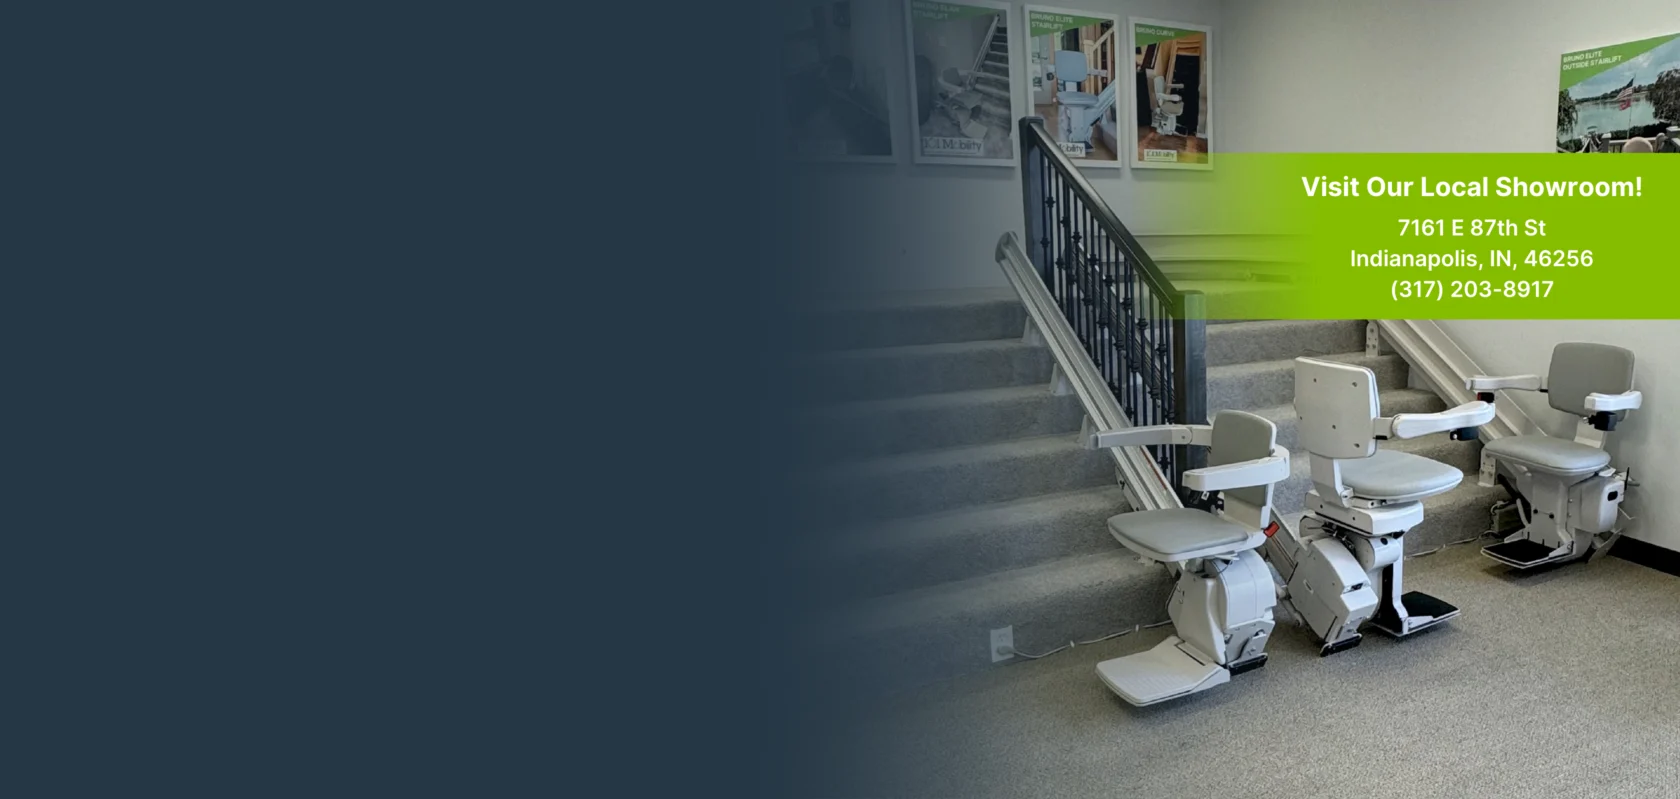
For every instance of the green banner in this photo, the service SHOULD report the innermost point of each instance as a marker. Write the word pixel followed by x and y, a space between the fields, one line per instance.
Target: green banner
pixel 1583 64
pixel 1040 23
pixel 1150 34
pixel 935 11
pixel 1450 236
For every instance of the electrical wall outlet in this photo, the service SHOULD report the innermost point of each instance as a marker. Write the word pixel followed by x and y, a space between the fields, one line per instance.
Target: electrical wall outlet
pixel 1003 644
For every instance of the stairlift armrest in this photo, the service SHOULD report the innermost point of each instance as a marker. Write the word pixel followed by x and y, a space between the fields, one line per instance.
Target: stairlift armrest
pixel 1516 382
pixel 1625 401
pixel 1200 435
pixel 1246 474
pixel 1411 425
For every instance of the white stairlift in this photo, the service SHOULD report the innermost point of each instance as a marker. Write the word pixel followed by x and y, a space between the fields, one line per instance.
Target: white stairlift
pixel 1168 105
pixel 1345 568
pixel 1568 491
pixel 1078 112
pixel 1221 607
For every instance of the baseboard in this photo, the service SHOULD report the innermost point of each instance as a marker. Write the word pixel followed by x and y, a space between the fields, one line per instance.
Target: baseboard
pixel 1650 556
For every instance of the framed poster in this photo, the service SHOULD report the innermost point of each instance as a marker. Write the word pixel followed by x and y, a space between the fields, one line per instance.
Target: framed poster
pixel 1620 98
pixel 961 82
pixel 1074 80
pixel 1172 112
pixel 834 82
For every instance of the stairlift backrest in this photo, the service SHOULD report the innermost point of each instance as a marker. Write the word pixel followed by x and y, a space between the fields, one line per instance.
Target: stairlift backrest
pixel 1579 369
pixel 1239 437
pixel 1336 404
pixel 1071 66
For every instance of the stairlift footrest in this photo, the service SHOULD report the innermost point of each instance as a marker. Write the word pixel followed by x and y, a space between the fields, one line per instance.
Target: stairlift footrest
pixel 1162 673
pixel 1422 612
pixel 1523 553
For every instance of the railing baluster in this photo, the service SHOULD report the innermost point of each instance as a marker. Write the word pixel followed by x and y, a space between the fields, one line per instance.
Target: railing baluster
pixel 1146 338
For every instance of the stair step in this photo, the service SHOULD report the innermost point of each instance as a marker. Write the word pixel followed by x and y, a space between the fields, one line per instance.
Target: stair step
pixel 1393 401
pixel 887 372
pixel 1247 342
pixel 914 317
pixel 992 91
pixel 946 479
pixel 910 639
pixel 1004 79
pixel 1269 383
pixel 947 547
pixel 871 428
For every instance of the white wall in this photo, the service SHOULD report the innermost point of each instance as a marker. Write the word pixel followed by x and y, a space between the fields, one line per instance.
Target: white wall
pixel 1458 76
pixel 909 226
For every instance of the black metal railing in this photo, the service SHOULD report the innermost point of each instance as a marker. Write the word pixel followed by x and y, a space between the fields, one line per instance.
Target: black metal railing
pixel 1147 338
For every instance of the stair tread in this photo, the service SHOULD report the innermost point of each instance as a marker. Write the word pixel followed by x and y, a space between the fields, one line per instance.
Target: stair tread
pixel 973 520
pixel 936 400
pixel 1031 583
pixel 969 453
pixel 913 300
pixel 942 348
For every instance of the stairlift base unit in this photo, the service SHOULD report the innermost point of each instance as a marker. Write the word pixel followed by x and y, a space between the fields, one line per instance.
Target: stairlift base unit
pixel 1224 611
pixel 1586 529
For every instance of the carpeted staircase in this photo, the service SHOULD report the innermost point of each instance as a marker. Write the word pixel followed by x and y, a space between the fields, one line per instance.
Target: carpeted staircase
pixel 952 495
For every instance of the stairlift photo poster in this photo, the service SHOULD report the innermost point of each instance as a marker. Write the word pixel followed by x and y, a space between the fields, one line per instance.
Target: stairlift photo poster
pixel 1073 61
pixel 1172 114
pixel 961 82
pixel 834 81
pixel 1620 98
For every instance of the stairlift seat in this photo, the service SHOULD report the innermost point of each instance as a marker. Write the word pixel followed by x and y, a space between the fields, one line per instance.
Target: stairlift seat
pixel 1077 99
pixel 1174 534
pixel 1550 455
pixel 1398 476
pixel 1071 68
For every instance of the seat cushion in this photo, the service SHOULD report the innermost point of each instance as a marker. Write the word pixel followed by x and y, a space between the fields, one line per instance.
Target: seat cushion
pixel 1078 99
pixel 1174 531
pixel 1396 476
pixel 1551 455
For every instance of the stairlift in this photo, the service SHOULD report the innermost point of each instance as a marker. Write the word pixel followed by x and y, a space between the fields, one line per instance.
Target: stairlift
pixel 1568 491
pixel 1345 568
pixel 1168 105
pixel 1078 112
pixel 1221 607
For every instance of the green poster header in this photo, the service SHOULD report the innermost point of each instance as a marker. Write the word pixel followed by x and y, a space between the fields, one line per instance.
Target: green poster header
pixel 1583 64
pixel 1442 236
pixel 936 11
pixel 1150 34
pixel 1040 23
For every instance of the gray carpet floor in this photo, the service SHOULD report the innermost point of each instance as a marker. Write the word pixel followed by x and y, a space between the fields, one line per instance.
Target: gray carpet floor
pixel 1564 683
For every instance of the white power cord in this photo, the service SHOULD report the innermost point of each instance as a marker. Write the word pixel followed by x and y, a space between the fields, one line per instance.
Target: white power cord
pixel 1493 529
pixel 1009 650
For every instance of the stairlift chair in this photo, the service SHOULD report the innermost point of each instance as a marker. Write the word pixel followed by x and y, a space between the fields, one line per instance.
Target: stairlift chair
pixel 1568 489
pixel 1221 607
pixel 1077 111
pixel 1346 566
pixel 1168 105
